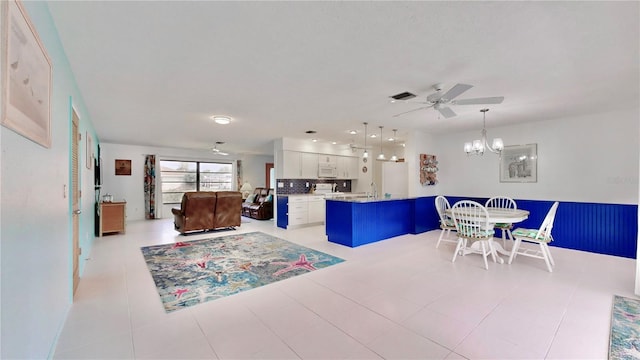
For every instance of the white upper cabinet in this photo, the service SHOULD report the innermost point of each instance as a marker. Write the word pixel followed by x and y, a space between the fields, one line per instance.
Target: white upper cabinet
pixel 291 168
pixel 309 165
pixel 347 167
pixel 303 165
pixel 324 159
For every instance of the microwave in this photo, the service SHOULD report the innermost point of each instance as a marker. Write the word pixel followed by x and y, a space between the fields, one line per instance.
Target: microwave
pixel 327 170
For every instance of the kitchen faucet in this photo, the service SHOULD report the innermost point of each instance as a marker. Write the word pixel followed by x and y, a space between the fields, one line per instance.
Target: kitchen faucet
pixel 374 192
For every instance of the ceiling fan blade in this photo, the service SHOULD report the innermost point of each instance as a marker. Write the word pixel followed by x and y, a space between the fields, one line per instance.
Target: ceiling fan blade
pixel 410 111
pixel 479 101
pixel 446 112
pixel 455 91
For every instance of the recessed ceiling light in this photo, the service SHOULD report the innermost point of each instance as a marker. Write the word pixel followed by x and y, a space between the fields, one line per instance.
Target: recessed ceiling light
pixel 373 136
pixel 390 139
pixel 314 140
pixel 353 132
pixel 334 142
pixel 222 120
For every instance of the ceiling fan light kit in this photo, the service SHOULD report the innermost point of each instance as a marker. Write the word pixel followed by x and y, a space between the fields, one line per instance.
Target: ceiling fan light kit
pixel 477 147
pixel 218 151
pixel 439 101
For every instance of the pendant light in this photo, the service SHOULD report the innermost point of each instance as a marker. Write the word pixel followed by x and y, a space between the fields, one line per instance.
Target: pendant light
pixel 394 157
pixel 381 155
pixel 365 154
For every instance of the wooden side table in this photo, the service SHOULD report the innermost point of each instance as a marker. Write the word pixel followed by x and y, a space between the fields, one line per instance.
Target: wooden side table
pixel 112 217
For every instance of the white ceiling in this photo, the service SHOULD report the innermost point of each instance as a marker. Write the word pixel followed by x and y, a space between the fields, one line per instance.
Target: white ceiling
pixel 151 73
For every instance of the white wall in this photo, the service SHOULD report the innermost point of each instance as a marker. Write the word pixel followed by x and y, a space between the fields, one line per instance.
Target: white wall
pixel 253 169
pixel 592 158
pixel 36 246
pixel 130 188
pixel 421 143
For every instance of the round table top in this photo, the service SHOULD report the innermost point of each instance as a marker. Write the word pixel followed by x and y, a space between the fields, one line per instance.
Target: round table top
pixel 501 215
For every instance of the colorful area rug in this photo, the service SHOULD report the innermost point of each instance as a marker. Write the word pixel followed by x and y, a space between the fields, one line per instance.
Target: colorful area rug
pixel 624 341
pixel 192 272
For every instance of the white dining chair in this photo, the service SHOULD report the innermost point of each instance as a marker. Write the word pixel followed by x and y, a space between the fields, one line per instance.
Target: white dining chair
pixel 541 236
pixel 446 222
pixel 472 226
pixel 503 202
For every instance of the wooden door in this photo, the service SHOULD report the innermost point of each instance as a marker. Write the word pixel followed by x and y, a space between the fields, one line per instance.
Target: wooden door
pixel 267 176
pixel 75 196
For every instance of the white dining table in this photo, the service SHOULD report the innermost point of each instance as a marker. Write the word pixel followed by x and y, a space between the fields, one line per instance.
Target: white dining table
pixel 501 216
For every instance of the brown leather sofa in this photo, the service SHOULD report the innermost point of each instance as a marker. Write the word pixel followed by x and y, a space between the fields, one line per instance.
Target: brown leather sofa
pixel 208 210
pixel 251 200
pixel 262 209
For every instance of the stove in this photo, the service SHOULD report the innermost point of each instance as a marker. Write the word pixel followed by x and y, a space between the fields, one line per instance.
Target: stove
pixel 323 189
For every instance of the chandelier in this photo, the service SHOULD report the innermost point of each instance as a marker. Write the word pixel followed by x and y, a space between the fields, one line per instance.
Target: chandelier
pixel 477 147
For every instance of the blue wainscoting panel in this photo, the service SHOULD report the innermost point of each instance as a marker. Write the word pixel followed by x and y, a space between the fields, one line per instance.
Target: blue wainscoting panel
pixel 339 222
pixel 610 229
pixel 425 215
pixel 283 210
pixel 358 223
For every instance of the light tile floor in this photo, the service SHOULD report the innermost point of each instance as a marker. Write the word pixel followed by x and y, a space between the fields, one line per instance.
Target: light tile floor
pixel 397 299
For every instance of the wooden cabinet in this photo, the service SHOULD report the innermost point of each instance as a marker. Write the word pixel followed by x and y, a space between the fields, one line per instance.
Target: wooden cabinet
pixel 347 167
pixel 112 217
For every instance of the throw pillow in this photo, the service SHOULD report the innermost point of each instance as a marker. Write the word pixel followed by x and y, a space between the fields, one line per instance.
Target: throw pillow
pixel 250 198
pixel 269 198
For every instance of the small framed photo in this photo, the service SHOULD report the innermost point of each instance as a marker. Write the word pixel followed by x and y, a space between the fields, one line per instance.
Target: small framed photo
pixel 519 164
pixel 123 167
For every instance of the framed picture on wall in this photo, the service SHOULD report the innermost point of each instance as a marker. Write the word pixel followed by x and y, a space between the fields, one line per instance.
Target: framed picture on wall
pixel 123 167
pixel 26 77
pixel 519 164
pixel 89 155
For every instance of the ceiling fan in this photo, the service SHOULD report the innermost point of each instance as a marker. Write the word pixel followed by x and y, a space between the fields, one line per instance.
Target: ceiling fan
pixel 440 100
pixel 218 151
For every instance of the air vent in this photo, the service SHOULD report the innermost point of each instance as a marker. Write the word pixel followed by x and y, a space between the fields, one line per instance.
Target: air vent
pixel 403 96
pixel 310 131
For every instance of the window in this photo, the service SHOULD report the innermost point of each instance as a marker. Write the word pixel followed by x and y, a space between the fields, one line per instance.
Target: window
pixel 179 177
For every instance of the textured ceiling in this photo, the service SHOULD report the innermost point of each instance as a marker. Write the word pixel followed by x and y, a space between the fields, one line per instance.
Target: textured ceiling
pixel 151 73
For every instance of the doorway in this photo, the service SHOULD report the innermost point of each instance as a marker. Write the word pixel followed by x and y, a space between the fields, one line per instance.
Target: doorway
pixel 269 176
pixel 75 198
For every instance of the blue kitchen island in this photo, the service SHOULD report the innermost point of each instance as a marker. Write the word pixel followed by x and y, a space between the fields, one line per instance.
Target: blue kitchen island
pixel 355 222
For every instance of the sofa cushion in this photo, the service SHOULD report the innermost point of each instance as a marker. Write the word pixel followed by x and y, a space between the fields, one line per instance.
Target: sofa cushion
pixel 250 198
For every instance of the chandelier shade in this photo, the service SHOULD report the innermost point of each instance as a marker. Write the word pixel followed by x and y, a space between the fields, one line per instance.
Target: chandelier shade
pixel 478 146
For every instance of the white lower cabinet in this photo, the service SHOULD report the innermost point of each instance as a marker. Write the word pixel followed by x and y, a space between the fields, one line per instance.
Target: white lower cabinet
pixel 298 210
pixel 305 210
pixel 316 209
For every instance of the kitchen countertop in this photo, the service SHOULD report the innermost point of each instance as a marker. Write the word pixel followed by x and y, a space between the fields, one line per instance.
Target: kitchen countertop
pixel 329 195
pixel 365 199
